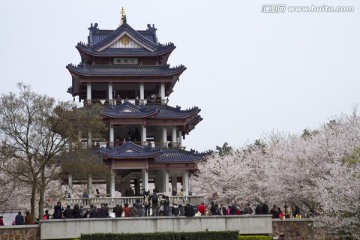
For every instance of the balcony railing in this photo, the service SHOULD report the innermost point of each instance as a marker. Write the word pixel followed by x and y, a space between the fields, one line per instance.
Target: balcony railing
pixel 115 101
pixel 119 143
pixel 112 201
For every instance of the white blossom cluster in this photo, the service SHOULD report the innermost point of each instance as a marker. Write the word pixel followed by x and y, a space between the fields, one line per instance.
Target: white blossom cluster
pixel 319 171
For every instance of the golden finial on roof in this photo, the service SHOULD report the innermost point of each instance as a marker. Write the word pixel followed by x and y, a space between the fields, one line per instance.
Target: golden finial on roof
pixel 123 16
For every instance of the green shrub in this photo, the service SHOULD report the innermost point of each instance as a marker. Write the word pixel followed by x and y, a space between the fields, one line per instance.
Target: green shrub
pixel 233 235
pixel 251 237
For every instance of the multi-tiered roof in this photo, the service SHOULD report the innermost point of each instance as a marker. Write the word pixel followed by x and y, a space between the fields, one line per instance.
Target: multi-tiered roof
pixel 123 44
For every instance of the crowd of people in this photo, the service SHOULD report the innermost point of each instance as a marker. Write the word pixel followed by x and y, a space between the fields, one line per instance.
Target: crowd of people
pixel 154 204
pixel 150 205
pixel 246 209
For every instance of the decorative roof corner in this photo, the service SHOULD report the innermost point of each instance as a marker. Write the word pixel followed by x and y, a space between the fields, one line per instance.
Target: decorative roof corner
pixel 94 28
pixel 70 90
pixel 151 29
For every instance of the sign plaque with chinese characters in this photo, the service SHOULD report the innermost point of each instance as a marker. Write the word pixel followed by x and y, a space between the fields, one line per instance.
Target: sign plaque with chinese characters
pixel 125 61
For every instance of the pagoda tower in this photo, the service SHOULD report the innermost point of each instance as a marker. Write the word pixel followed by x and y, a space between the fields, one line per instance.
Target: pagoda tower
pixel 126 71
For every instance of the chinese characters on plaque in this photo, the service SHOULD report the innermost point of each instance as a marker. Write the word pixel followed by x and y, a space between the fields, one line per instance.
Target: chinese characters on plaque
pixel 125 61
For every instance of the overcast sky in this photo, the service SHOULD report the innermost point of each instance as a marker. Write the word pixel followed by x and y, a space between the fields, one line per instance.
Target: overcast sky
pixel 250 72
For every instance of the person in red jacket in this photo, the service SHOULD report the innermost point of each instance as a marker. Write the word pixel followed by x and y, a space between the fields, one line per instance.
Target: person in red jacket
pixel 281 214
pixel 46 216
pixel 202 209
pixel 1 221
pixel 126 210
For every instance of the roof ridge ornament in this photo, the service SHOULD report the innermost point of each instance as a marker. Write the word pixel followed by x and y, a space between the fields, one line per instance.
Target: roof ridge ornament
pixel 94 28
pixel 152 28
pixel 123 17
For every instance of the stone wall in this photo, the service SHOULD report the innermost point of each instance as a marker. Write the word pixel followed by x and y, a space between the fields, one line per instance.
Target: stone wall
pixel 24 232
pixel 294 229
pixel 73 228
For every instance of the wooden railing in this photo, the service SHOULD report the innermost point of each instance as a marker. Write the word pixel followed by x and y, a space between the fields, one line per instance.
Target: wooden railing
pixel 96 201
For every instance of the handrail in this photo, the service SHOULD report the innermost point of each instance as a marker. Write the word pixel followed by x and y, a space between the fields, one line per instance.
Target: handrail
pixel 12 210
pixel 112 201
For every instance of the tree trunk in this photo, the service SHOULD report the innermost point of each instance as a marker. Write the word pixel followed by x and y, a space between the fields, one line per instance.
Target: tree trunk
pixel 42 193
pixel 33 197
pixel 41 204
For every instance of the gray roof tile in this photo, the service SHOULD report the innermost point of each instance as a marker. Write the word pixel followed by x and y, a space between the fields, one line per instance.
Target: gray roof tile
pixel 116 33
pixel 126 52
pixel 151 111
pixel 120 70
pixel 130 150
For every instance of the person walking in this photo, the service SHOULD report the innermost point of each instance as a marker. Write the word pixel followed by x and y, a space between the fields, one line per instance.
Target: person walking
pixel 155 203
pixel 146 202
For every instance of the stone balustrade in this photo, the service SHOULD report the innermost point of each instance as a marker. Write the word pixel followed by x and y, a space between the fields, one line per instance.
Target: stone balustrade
pixel 112 201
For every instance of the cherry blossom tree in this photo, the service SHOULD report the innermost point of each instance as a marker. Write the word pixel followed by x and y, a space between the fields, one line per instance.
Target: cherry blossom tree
pixel 13 195
pixel 318 171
